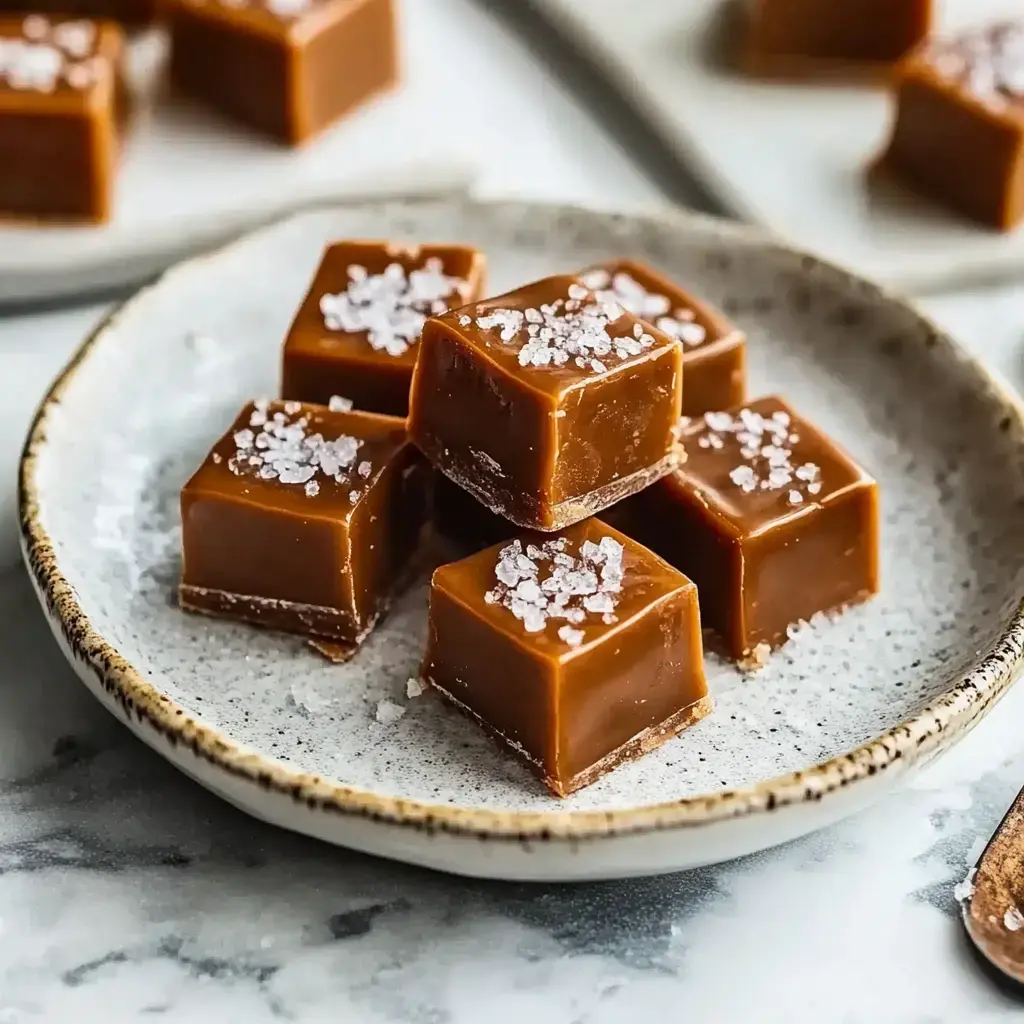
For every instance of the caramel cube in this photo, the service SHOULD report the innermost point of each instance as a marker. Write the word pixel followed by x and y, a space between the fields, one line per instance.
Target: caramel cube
pixel 61 106
pixel 547 404
pixel 958 136
pixel 579 651
pixel 355 335
pixel 797 37
pixel 714 350
pixel 771 520
pixel 286 68
pixel 303 520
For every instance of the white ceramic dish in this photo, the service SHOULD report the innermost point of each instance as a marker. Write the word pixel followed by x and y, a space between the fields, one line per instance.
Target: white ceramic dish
pixel 838 716
pixel 790 158
pixel 190 179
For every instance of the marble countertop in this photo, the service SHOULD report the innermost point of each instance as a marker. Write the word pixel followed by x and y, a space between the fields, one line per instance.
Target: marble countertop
pixel 128 893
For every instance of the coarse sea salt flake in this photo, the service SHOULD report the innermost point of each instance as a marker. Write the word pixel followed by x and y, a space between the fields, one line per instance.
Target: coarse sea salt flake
pixel 573 637
pixel 390 308
pixel 388 712
pixel 535 599
pixel 964 890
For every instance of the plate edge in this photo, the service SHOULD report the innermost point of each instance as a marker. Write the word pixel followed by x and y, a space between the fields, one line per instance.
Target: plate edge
pixel 910 743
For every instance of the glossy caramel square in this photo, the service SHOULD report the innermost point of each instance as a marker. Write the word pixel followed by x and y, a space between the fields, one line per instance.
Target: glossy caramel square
pixel 578 650
pixel 714 350
pixel 771 520
pixel 303 520
pixel 356 333
pixel 547 404
pixel 285 68
pixel 793 38
pixel 61 108
pixel 958 135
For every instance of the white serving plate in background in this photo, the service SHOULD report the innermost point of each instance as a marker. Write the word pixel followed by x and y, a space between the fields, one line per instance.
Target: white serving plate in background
pixel 789 157
pixel 190 179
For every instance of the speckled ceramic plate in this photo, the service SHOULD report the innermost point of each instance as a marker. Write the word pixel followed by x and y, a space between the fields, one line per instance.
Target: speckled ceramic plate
pixel 840 714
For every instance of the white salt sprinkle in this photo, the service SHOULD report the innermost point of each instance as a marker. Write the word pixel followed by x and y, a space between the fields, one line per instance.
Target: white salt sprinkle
pixel 765 447
pixel 339 404
pixel 288 8
pixel 626 291
pixel 388 712
pixel 987 62
pixel 390 308
pixel 545 583
pixel 75 38
pixel 574 329
pixel 964 890
pixel 573 637
pixel 46 55
pixel 278 446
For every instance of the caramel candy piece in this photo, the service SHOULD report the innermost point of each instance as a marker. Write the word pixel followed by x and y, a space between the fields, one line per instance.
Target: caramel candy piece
pixel 579 651
pixel 958 136
pixel 355 334
pixel 61 100
pixel 771 520
pixel 303 520
pixel 808 37
pixel 714 350
pixel 287 68
pixel 546 404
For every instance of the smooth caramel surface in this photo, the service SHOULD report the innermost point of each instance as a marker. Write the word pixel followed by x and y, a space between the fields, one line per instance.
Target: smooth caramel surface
pixel 321 361
pixel 714 350
pixel 959 125
pixel 272 535
pixel 287 68
pixel 568 693
pixel 537 426
pixel 769 517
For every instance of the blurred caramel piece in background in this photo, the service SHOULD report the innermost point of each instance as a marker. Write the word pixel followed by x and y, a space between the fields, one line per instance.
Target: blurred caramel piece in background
pixel 958 135
pixel 797 38
pixel 286 68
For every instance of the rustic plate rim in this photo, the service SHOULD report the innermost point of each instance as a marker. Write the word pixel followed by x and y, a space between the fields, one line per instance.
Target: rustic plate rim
pixel 914 741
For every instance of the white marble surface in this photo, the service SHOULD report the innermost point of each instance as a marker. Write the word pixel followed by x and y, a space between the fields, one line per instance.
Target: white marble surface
pixel 127 893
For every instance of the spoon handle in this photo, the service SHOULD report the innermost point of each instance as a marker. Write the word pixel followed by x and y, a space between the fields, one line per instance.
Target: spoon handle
pixel 994 913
